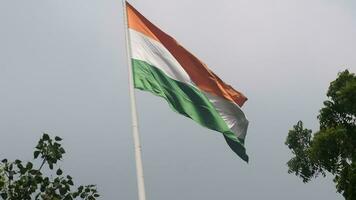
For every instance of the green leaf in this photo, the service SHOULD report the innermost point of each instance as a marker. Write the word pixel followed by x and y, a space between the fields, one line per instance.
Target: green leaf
pixel 50 165
pixel 38 179
pixel 36 153
pixel 45 136
pixel 62 190
pixel 3 195
pixel 43 188
pixel 70 182
pixel 68 197
pixel 22 169
pixel 1 184
pixel 75 194
pixel 59 172
pixel 33 172
pixel 58 138
pixel 29 166
pixel 62 150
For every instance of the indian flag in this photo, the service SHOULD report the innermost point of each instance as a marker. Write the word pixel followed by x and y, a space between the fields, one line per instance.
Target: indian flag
pixel 163 67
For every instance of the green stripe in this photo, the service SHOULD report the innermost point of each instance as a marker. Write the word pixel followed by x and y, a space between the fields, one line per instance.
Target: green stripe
pixel 184 99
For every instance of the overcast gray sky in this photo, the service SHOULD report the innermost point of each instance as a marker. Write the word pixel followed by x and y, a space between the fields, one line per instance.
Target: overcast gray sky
pixel 63 71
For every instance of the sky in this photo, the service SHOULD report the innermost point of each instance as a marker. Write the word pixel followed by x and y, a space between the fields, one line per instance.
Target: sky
pixel 63 70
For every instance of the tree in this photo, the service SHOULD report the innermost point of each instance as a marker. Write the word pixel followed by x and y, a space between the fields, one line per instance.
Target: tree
pixel 23 181
pixel 333 148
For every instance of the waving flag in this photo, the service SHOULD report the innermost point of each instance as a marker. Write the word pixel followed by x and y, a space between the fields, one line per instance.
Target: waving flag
pixel 165 68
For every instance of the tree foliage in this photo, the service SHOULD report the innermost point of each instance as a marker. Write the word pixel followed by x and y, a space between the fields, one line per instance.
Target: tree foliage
pixel 21 180
pixel 333 148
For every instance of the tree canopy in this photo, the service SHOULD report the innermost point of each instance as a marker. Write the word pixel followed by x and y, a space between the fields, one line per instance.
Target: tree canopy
pixel 22 180
pixel 333 148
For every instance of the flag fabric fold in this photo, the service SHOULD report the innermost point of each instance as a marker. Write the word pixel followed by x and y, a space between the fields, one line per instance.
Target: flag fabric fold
pixel 163 67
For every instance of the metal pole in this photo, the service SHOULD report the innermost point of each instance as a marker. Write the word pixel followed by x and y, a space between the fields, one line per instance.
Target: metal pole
pixel 135 133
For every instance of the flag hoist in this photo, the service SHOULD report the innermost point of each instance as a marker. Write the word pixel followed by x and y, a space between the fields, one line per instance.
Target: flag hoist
pixel 160 65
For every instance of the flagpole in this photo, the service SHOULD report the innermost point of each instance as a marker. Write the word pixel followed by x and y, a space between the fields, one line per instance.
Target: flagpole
pixel 134 121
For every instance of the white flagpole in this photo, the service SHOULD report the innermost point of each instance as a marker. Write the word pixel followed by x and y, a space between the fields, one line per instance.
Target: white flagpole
pixel 136 137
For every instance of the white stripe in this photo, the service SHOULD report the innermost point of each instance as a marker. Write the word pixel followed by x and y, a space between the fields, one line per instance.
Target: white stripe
pixel 231 113
pixel 154 53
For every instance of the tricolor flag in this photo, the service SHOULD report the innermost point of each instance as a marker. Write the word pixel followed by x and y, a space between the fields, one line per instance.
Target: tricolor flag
pixel 165 68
